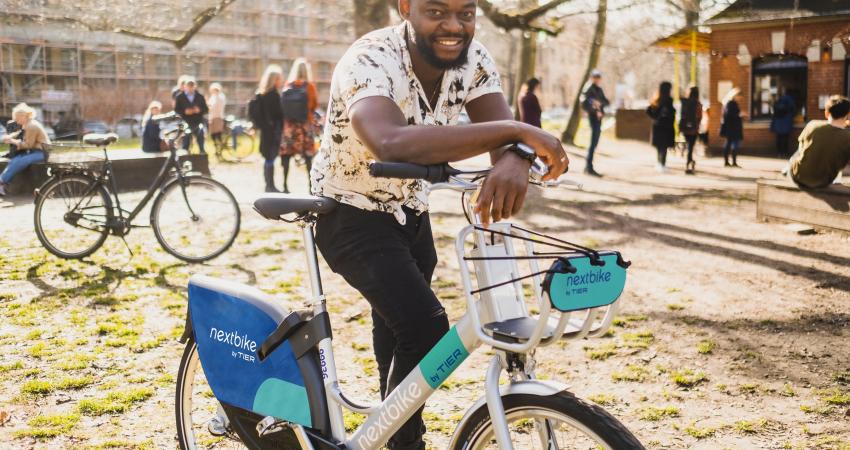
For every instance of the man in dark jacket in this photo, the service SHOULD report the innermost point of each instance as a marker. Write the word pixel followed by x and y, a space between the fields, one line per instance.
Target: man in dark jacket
pixel 782 122
pixel 192 107
pixel 594 102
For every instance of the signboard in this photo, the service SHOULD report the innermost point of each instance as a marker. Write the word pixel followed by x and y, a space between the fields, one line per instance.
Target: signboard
pixel 53 96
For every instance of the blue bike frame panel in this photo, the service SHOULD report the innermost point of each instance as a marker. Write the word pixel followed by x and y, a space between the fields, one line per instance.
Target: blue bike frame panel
pixel 574 283
pixel 228 331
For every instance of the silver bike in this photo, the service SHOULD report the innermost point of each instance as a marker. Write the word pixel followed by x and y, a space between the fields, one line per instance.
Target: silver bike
pixel 258 376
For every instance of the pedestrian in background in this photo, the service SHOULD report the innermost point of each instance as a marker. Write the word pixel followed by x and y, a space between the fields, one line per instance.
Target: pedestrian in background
pixel 216 102
pixel 264 111
pixel 529 104
pixel 298 101
pixel 192 107
pixel 782 122
pixel 689 125
pixel 594 103
pixel 663 115
pixel 178 89
pixel 29 144
pixel 151 142
pixel 732 127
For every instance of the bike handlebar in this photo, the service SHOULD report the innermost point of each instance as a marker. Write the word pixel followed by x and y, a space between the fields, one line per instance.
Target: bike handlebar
pixel 435 173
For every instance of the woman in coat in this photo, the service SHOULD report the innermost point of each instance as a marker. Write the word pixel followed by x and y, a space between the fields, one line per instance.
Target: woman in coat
pixel 298 101
pixel 782 122
pixel 29 144
pixel 732 128
pixel 151 142
pixel 663 116
pixel 272 120
pixel 689 125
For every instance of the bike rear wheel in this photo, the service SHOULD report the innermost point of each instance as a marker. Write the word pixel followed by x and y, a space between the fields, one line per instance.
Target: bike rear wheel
pixel 201 420
pixel 533 419
pixel 244 147
pixel 71 216
pixel 195 218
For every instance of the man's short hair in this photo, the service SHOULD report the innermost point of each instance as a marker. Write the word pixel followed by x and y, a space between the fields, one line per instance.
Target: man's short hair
pixel 838 106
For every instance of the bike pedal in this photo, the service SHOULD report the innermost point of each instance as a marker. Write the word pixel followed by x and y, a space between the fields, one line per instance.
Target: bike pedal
pixel 270 425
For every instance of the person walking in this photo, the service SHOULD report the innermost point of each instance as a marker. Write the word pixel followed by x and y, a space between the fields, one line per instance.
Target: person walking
pixel 298 101
pixel 594 103
pixel 151 142
pixel 529 105
pixel 689 125
pixel 663 115
pixel 268 118
pixel 28 144
pixel 216 103
pixel 782 122
pixel 192 107
pixel 732 127
pixel 178 89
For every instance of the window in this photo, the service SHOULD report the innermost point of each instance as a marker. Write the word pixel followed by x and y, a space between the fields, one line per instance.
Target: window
pixel 774 76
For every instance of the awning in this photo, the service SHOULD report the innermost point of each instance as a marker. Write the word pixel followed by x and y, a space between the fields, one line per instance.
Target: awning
pixel 686 40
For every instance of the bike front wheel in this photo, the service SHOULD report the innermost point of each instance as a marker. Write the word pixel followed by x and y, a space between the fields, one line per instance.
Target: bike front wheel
pixel 71 217
pixel 560 421
pixel 195 218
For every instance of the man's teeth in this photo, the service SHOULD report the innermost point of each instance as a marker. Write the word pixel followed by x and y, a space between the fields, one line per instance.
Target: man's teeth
pixel 448 41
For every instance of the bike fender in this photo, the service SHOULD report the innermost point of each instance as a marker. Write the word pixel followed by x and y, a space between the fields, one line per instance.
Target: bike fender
pixel 542 388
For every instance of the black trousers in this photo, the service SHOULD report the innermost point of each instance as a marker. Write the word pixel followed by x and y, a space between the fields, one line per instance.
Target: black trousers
pixel 691 140
pixel 782 145
pixel 391 265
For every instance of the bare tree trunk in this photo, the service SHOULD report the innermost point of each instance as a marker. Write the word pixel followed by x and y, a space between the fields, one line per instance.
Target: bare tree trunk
pixel 370 15
pixel 569 134
pixel 527 63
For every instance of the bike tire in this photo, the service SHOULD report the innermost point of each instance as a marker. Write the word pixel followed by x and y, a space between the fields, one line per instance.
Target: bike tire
pixel 61 185
pixel 590 420
pixel 172 188
pixel 245 147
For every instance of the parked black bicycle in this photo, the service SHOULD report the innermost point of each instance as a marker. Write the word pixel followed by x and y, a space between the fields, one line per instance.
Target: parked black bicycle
pixel 194 217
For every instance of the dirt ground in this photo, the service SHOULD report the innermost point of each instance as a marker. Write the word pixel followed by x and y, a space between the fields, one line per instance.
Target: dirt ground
pixel 733 333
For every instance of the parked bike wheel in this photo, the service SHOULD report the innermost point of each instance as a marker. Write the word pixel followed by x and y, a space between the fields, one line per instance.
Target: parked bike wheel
pixel 244 147
pixel 196 218
pixel 574 424
pixel 71 215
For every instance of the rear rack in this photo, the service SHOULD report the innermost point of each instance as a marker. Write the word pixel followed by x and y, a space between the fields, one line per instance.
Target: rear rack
pixel 496 294
pixel 74 157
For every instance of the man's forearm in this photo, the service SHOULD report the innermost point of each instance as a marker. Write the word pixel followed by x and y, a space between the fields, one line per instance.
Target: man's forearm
pixel 425 144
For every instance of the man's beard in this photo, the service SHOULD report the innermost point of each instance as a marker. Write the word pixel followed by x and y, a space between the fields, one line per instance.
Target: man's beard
pixel 426 49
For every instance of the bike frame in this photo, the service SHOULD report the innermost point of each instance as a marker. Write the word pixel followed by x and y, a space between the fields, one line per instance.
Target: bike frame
pixel 466 336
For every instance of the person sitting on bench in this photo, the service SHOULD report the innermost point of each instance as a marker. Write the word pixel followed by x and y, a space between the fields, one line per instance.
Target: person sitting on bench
pixel 28 144
pixel 824 147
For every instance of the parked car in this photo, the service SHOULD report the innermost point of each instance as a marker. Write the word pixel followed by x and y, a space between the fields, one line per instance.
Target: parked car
pixel 95 126
pixel 50 133
pixel 128 127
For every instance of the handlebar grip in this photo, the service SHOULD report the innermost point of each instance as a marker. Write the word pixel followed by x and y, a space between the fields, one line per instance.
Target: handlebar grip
pixel 436 173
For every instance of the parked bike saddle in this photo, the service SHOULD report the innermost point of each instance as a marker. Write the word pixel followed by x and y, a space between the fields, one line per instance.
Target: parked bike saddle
pixel 100 138
pixel 273 206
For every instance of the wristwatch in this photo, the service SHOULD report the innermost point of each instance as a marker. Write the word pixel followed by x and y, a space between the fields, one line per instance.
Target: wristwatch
pixel 523 151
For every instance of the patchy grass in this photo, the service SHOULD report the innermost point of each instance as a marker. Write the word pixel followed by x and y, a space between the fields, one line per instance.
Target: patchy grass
pixel 114 402
pixel 687 378
pixel 632 372
pixel 654 414
pixel 834 396
pixel 750 427
pixel 700 433
pixel 368 364
pixel 603 399
pixel 629 320
pixel 641 339
pixel 601 352
pixel 17 365
pixel 706 347
pixel 360 347
pixel 37 387
pixel 73 383
pixel 49 426
pixel 353 420
pixel 675 306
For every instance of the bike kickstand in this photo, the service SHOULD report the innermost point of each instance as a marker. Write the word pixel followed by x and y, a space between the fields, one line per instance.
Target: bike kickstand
pixel 128 246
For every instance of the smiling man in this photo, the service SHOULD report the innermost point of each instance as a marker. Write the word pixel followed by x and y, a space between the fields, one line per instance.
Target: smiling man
pixel 396 95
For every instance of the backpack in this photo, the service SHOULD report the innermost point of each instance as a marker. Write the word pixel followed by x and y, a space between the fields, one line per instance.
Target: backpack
pixel 688 124
pixel 294 103
pixel 255 110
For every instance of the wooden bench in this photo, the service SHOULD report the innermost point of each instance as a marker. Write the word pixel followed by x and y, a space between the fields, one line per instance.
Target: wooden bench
pixel 134 170
pixel 827 208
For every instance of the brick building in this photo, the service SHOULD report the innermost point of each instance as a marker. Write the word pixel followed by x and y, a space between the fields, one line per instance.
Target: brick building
pixel 767 47
pixel 57 67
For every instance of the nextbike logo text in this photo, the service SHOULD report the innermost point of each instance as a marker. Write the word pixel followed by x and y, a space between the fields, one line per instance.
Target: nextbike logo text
pixel 599 276
pixel 233 338
pixel 390 413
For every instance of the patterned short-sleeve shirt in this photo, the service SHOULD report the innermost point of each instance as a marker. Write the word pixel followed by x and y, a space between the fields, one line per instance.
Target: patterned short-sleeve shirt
pixel 378 64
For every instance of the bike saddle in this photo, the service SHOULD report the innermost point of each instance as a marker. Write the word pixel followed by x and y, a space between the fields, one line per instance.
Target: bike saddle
pixel 100 138
pixel 272 206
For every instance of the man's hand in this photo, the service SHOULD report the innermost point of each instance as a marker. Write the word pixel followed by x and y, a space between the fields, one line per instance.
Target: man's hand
pixel 549 149
pixel 504 190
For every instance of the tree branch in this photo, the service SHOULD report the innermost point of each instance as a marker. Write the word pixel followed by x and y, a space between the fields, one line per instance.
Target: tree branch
pixel 525 20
